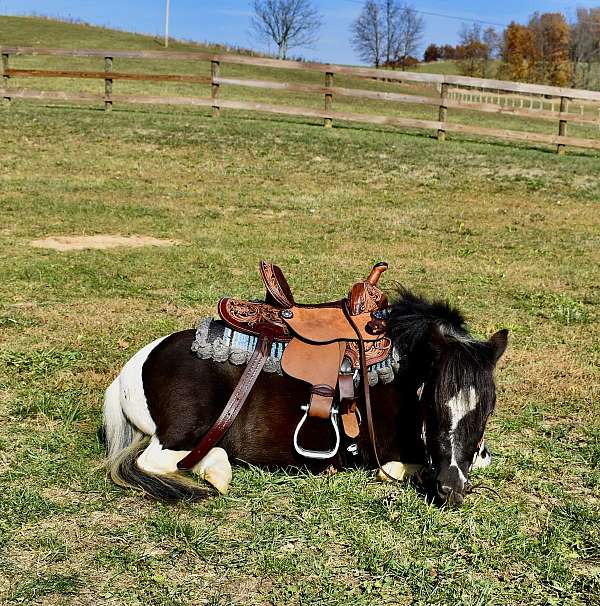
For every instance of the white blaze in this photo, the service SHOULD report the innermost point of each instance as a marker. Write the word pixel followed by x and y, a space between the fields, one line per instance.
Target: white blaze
pixel 460 405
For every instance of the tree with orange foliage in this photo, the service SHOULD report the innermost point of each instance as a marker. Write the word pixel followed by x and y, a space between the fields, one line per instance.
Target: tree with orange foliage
pixel 552 36
pixel 472 52
pixel 519 53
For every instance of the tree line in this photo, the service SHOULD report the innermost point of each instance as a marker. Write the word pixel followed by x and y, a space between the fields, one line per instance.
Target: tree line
pixel 389 33
pixel 547 50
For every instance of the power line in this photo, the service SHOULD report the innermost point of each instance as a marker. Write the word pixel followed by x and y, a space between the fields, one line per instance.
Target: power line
pixel 461 18
pixel 444 16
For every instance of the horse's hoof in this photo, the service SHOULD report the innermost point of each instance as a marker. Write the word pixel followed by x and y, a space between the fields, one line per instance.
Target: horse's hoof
pixel 397 471
pixel 215 469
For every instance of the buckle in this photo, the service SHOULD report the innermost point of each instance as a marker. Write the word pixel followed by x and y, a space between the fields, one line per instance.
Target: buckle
pixel 318 454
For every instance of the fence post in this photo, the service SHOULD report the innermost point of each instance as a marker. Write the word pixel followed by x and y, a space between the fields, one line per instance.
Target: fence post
pixel 443 114
pixel 214 93
pixel 562 124
pixel 328 122
pixel 108 84
pixel 5 76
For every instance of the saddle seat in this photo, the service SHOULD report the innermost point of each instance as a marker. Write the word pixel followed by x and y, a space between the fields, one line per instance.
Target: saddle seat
pixel 321 340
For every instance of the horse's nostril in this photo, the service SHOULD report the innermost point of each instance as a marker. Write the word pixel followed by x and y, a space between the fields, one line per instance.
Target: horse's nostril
pixel 443 491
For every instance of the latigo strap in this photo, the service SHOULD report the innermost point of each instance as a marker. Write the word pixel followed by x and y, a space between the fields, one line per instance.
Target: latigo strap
pixel 364 372
pixel 233 406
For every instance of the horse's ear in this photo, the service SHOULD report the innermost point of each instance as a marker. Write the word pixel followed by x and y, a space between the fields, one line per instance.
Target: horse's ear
pixel 498 342
pixel 437 339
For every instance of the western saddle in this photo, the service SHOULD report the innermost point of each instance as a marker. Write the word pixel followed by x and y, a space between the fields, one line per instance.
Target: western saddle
pixel 327 345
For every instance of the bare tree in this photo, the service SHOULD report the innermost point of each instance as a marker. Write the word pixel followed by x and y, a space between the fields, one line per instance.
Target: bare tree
pixel 287 23
pixel 493 40
pixel 390 10
pixel 493 46
pixel 585 45
pixel 368 34
pixel 411 26
pixel 387 32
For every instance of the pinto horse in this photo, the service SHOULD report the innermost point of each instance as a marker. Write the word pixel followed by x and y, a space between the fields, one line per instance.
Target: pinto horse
pixel 433 413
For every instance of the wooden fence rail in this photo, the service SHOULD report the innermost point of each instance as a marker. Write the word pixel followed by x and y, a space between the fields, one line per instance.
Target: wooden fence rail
pixel 444 101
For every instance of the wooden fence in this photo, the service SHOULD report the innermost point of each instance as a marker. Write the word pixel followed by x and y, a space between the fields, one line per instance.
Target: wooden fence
pixel 443 99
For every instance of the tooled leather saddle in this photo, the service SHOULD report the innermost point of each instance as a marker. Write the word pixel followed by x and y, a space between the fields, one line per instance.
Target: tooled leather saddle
pixel 327 345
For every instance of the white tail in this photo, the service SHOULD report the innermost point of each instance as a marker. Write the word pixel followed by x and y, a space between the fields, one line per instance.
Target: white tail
pixel 119 433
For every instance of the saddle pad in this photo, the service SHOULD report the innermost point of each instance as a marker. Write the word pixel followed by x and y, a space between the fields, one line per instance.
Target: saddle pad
pixel 216 341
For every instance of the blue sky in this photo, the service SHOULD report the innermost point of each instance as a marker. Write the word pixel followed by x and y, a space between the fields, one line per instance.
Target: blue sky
pixel 228 20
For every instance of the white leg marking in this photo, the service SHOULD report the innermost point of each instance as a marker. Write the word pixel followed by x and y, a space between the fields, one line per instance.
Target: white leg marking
pixel 159 460
pixel 215 468
pixel 460 405
pixel 483 458
pixel 133 399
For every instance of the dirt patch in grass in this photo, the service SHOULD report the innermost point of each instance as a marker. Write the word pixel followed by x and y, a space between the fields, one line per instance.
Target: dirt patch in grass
pixel 99 241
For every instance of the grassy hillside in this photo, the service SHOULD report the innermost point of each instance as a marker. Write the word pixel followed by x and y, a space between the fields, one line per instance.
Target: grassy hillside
pixel 46 32
pixel 509 234
pixel 451 67
pixel 42 32
pixel 438 67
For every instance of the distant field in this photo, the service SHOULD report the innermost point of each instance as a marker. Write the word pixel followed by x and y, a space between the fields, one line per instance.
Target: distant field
pixel 508 233
pixel 36 32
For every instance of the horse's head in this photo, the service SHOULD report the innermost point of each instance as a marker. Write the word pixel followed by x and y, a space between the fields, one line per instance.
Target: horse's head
pixel 456 402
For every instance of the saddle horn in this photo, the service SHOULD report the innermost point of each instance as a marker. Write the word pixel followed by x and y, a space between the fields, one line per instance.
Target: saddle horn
pixel 367 296
pixel 376 272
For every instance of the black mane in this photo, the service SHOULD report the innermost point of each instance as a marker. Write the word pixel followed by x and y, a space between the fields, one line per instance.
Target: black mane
pixel 430 334
pixel 412 318
pixel 446 375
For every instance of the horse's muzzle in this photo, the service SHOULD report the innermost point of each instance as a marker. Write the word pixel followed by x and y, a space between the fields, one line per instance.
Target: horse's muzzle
pixel 451 496
pixel 451 486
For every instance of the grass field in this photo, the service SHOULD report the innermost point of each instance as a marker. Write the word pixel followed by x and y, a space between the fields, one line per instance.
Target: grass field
pixel 508 233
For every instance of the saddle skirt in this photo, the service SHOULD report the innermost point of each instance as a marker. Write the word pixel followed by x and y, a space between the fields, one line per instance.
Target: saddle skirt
pixel 216 341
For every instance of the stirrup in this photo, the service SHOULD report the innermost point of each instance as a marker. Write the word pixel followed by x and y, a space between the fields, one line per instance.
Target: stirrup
pixel 318 454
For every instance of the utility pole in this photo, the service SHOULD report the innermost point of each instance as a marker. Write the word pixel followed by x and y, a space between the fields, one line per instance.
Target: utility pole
pixel 167 11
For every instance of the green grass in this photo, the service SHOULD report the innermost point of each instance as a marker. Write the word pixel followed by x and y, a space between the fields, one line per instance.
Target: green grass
pixel 507 233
